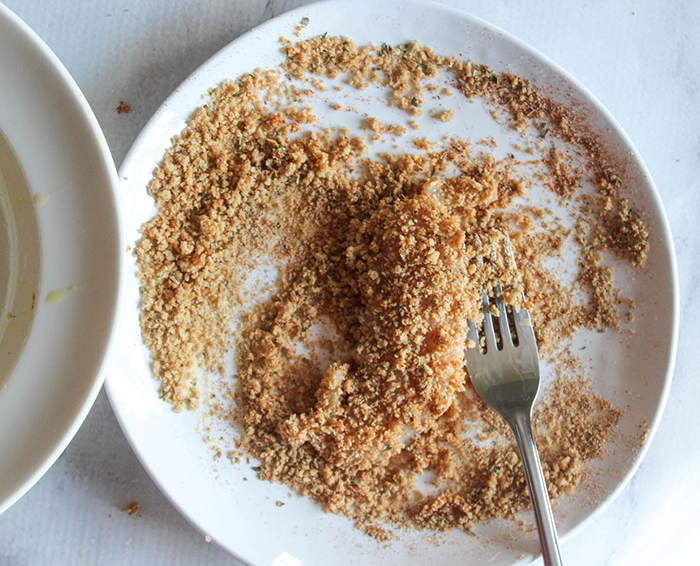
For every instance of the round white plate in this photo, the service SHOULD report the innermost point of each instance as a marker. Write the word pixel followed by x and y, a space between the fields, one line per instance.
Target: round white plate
pixel 60 239
pixel 226 501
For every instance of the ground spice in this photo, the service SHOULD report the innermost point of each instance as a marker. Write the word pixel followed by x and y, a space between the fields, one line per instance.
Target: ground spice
pixel 392 254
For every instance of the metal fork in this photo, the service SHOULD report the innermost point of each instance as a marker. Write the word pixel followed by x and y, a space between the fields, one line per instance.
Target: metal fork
pixel 508 381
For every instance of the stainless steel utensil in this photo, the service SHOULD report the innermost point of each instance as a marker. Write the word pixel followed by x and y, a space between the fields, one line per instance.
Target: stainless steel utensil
pixel 507 377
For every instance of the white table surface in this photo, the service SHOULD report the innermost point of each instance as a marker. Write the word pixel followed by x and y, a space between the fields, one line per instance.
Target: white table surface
pixel 640 57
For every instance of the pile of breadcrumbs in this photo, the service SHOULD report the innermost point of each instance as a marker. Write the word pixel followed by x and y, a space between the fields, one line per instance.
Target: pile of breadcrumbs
pixel 393 255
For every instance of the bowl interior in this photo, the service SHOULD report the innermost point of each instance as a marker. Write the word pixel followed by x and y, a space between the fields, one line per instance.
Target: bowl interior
pixel 20 259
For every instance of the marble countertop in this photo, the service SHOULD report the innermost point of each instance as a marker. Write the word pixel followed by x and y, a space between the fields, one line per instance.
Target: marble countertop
pixel 641 58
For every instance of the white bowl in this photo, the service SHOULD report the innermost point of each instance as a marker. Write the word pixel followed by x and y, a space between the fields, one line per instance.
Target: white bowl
pixel 61 241
pixel 227 502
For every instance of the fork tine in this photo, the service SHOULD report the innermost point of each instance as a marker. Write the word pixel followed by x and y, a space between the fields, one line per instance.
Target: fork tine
pixel 504 327
pixel 489 332
pixel 523 327
pixel 473 335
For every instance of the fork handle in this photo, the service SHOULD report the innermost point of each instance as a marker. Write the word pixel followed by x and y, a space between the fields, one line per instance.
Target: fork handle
pixel 522 429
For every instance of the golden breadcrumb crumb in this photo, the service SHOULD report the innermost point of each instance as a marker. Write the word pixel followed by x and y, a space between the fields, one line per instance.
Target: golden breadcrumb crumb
pixel 445 115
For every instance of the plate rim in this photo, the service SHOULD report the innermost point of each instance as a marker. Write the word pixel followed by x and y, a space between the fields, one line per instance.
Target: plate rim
pixel 663 226
pixel 97 139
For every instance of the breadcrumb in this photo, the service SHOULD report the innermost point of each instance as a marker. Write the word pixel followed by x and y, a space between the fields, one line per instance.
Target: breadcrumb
pixel 393 255
pixel 445 115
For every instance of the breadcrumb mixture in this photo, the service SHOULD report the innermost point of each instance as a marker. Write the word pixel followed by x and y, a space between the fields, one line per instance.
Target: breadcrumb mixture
pixel 392 254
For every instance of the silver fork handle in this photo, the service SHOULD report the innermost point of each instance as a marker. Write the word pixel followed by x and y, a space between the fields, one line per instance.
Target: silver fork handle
pixel 522 429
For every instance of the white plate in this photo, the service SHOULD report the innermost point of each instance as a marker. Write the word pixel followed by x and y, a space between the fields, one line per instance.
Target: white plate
pixel 241 515
pixel 59 230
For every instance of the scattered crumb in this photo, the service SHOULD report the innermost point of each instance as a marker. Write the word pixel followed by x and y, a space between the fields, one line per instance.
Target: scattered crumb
pixel 423 143
pixel 445 115
pixel 123 108
pixel 375 125
pixel 132 508
pixel 375 531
